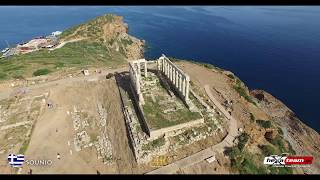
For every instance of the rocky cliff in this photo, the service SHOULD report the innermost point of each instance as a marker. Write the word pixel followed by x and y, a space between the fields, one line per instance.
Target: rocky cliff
pixel 268 127
pixel 109 30
pixel 303 139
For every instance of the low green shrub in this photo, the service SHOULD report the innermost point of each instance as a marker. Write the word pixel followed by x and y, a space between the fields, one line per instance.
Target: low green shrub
pixel 40 72
pixel 264 124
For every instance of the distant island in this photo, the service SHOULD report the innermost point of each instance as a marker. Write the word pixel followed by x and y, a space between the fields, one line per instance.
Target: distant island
pixel 72 94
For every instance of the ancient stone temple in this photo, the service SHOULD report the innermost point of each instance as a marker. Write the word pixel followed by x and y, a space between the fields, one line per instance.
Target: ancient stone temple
pixel 176 76
pixel 160 105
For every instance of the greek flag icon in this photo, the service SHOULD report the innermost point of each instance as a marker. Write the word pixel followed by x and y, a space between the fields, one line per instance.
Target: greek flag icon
pixel 16 160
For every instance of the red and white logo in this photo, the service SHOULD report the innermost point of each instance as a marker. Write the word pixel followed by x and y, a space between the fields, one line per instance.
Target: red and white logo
pixel 287 160
pixel 298 160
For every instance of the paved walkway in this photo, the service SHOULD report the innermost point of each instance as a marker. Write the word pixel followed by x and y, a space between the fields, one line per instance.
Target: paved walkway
pixel 206 153
pixel 233 128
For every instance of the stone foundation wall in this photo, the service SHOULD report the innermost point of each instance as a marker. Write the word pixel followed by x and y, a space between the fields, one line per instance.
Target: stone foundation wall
pixel 164 131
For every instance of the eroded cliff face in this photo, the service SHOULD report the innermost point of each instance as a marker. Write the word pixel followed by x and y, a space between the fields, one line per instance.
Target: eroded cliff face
pixel 110 30
pixel 303 139
pixel 268 127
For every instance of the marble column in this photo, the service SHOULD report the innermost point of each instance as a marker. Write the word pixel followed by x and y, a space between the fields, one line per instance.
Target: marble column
pixel 174 76
pixel 145 69
pixel 166 68
pixel 187 88
pixel 177 79
pixel 139 70
pixel 180 83
pixel 169 68
pixel 184 86
pixel 158 64
pixel 163 66
pixel 132 77
pixel 170 75
pixel 137 83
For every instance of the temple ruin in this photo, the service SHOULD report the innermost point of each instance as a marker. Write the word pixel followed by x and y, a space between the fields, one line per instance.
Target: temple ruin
pixel 145 86
pixel 159 104
pixel 135 76
pixel 177 77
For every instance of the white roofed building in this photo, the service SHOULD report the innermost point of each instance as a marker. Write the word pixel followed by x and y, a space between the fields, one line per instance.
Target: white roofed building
pixel 56 33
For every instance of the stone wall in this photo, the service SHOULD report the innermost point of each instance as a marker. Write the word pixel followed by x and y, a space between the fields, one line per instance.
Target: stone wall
pixel 164 131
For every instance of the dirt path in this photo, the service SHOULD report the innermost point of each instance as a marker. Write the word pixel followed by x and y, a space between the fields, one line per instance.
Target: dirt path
pixel 65 42
pixel 206 153
pixel 15 125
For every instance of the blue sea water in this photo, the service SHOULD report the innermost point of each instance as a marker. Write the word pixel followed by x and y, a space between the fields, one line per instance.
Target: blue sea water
pixel 268 47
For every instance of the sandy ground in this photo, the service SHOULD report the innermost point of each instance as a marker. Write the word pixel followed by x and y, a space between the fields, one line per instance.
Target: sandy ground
pixel 54 130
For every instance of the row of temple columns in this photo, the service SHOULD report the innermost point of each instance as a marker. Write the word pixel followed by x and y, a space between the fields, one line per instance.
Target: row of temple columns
pixel 175 75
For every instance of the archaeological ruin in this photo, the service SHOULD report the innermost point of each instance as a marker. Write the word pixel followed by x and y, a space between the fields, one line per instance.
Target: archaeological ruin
pixel 176 76
pixel 159 104
pixel 146 86
pixel 135 76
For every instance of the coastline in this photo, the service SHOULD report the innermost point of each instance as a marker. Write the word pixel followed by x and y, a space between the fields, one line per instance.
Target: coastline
pixel 293 94
pixel 260 118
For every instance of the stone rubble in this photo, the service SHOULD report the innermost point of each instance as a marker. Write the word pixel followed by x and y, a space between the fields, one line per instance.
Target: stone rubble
pixel 76 119
pixel 83 140
pixel 104 149
pixel 3 114
pixel 102 114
